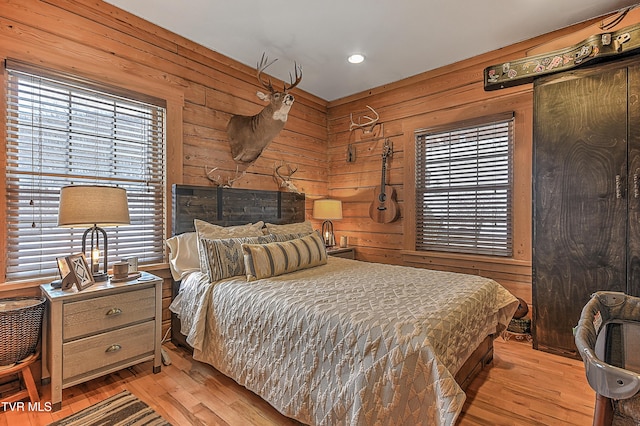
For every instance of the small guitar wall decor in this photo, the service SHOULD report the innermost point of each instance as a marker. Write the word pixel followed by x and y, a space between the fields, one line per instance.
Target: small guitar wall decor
pixel 384 208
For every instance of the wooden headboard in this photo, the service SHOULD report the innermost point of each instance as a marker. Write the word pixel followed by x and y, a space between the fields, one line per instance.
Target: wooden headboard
pixel 229 206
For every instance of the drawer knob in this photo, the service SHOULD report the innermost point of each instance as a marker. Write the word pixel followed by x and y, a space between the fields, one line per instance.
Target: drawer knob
pixel 114 311
pixel 113 348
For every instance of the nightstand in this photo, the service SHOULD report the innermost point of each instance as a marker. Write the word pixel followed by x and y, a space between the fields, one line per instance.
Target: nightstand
pixel 346 252
pixel 101 329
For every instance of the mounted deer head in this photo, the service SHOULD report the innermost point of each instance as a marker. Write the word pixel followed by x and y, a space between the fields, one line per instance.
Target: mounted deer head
pixel 250 135
pixel 286 179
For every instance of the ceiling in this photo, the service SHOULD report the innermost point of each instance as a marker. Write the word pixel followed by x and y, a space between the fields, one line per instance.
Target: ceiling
pixel 399 38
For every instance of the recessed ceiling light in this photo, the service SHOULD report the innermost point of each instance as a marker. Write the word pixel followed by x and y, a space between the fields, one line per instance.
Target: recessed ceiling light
pixel 356 58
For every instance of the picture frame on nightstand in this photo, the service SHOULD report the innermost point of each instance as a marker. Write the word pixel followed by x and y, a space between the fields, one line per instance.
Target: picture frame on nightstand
pixel 66 277
pixel 79 270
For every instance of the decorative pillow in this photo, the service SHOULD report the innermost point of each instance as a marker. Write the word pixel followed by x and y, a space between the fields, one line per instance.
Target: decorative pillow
pixel 270 260
pixel 287 237
pixel 183 254
pixel 290 228
pixel 223 258
pixel 209 230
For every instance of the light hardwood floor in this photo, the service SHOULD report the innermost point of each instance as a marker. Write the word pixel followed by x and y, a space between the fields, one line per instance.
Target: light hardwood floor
pixel 522 387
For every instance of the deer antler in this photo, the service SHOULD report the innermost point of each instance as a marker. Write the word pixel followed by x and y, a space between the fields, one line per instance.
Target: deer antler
pixel 291 171
pixel 296 68
pixel 369 124
pixel 260 67
pixel 237 176
pixel 216 180
pixel 286 181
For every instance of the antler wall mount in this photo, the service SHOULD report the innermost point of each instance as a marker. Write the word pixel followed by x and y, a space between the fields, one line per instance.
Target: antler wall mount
pixel 368 125
pixel 250 135
pixel 285 177
pixel 223 182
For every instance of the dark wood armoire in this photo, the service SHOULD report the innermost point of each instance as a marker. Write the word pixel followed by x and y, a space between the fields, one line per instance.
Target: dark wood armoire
pixel 586 194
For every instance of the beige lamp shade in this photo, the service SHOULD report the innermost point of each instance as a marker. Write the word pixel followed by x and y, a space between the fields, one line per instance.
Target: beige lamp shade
pixel 89 205
pixel 327 209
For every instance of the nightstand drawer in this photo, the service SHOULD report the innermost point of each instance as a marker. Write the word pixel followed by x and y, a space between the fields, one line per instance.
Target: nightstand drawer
pixel 102 351
pixel 107 312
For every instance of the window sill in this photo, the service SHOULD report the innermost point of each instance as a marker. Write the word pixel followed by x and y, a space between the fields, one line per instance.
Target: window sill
pixel 475 264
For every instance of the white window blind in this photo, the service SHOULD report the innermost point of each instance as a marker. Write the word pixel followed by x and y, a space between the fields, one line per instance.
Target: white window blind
pixel 463 187
pixel 63 131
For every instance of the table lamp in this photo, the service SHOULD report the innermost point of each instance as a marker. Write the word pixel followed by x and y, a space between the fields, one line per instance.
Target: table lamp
pixel 327 209
pixel 93 206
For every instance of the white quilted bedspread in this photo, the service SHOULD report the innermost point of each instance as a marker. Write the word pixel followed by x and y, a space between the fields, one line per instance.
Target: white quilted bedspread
pixel 347 343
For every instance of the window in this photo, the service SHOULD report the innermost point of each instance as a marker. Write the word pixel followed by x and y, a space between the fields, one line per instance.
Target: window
pixel 463 187
pixel 62 131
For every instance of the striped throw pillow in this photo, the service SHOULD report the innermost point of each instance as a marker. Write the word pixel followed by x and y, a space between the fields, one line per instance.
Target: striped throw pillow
pixel 272 259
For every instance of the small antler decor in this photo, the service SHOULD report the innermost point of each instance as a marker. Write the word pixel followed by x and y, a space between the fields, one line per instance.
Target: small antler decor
pixel 220 181
pixel 368 125
pixel 285 177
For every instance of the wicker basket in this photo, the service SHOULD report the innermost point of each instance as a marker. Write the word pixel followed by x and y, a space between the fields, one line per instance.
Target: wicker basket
pixel 20 323
pixel 521 325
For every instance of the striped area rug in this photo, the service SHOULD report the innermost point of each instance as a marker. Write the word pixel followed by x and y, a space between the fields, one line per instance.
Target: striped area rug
pixel 121 409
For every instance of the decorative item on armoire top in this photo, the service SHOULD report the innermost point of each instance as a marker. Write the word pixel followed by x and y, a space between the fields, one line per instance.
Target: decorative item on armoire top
pixel 93 206
pixel 250 135
pixel 327 209
pixel 596 47
pixel 384 208
pixel 286 179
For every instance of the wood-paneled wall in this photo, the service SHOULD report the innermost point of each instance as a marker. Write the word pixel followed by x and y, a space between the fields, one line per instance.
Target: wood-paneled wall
pixel 446 95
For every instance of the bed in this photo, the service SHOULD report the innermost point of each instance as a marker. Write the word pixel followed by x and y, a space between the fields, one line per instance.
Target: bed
pixel 338 342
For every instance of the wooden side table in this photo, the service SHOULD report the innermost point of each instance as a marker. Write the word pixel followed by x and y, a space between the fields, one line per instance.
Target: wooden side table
pixel 346 252
pixel 104 328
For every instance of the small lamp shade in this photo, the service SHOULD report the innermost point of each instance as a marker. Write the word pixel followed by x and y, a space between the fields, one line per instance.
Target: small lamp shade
pixel 84 206
pixel 327 209
pixel 93 206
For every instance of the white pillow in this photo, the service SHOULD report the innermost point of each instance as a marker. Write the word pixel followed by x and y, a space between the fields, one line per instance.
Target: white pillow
pixel 183 255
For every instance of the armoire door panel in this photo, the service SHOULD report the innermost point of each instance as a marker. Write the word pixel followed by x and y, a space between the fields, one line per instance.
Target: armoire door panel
pixel 580 198
pixel 633 237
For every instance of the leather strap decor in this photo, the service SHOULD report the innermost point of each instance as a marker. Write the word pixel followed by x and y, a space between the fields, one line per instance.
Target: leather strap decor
pixel 593 49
